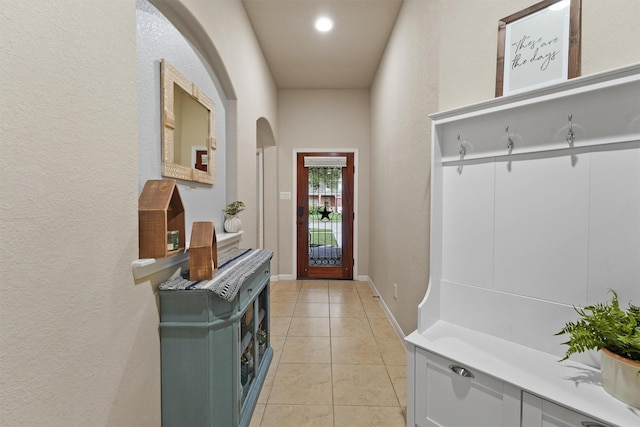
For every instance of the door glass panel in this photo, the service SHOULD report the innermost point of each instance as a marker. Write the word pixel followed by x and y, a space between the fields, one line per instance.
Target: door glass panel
pixel 325 216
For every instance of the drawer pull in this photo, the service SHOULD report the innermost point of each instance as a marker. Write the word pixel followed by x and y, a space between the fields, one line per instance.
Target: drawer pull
pixel 463 372
pixel 250 290
pixel 591 424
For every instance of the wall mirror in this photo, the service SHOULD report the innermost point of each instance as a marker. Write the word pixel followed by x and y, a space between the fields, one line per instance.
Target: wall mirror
pixel 188 131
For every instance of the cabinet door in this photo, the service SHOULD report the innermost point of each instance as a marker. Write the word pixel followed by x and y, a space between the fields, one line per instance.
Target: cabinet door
pixel 254 340
pixel 262 324
pixel 451 395
pixel 537 412
pixel 247 350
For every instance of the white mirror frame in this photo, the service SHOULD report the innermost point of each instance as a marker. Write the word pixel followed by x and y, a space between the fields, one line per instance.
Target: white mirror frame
pixel 169 76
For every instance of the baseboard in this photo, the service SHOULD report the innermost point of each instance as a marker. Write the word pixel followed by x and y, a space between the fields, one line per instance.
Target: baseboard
pixel 390 315
pixel 277 277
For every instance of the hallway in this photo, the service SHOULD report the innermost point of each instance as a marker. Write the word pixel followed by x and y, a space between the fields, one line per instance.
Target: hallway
pixel 338 361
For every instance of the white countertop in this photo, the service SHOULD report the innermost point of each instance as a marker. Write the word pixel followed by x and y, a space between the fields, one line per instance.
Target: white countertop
pixel 570 384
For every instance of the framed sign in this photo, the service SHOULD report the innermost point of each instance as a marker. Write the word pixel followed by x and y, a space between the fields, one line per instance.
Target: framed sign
pixel 538 46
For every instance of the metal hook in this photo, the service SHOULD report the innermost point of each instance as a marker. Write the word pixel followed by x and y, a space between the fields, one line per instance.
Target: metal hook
pixel 463 151
pixel 509 140
pixel 571 137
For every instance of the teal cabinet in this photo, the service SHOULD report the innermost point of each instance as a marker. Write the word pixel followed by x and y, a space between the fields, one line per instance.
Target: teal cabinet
pixel 215 353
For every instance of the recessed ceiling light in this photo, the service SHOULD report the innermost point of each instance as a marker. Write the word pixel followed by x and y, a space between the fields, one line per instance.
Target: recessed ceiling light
pixel 324 24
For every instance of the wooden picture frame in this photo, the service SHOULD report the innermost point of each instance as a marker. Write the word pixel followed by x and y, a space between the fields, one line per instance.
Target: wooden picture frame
pixel 538 46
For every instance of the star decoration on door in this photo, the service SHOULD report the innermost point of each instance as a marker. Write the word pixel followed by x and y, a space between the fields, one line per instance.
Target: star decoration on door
pixel 324 214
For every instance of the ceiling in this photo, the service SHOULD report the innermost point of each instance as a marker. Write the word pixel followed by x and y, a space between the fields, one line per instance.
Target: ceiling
pixel 302 58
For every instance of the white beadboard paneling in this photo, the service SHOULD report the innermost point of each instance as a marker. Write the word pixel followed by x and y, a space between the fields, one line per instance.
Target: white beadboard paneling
pixel 467 223
pixel 527 321
pixel 566 219
pixel 541 235
pixel 614 229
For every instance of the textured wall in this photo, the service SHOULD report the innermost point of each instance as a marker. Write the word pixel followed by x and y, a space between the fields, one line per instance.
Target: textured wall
pixel 442 55
pixel 226 24
pixel 468 37
pixel 157 38
pixel 320 120
pixel 79 339
pixel 404 92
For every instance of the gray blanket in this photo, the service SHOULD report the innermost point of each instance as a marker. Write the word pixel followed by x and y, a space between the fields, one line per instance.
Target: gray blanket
pixel 234 267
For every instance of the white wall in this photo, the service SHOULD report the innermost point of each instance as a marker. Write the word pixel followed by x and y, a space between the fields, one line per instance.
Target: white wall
pixel 79 338
pixel 442 55
pixel 225 23
pixel 467 43
pixel 404 92
pixel 158 39
pixel 322 120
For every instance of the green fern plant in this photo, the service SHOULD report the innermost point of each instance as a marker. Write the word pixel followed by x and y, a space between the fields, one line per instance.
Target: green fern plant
pixel 605 325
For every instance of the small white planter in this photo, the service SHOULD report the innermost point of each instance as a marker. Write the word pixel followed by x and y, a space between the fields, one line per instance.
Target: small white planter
pixel 620 377
pixel 232 224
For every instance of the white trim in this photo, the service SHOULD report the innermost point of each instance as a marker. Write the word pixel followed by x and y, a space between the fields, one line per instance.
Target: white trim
pixel 388 312
pixel 294 264
pixel 260 191
pixel 279 277
pixel 147 266
pixel 325 161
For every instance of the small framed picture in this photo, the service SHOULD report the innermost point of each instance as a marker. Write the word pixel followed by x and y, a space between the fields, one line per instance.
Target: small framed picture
pixel 538 46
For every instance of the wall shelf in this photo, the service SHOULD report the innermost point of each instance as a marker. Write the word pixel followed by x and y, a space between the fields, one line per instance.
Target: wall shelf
pixel 539 122
pixel 147 266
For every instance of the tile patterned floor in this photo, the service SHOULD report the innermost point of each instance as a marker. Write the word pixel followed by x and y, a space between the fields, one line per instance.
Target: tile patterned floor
pixel 338 361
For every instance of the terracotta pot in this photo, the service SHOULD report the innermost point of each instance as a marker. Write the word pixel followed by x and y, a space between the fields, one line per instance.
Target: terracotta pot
pixel 620 377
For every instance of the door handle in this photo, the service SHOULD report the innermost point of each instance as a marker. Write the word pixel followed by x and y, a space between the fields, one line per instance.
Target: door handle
pixel 300 211
pixel 463 372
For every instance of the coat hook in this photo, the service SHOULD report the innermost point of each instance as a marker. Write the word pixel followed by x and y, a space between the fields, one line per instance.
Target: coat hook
pixel 571 137
pixel 463 151
pixel 509 140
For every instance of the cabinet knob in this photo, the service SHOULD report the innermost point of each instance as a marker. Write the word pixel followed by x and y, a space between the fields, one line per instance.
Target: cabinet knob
pixel 250 289
pixel 463 372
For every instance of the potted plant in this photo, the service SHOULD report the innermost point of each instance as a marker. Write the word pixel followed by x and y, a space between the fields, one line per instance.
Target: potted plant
pixel 616 333
pixel 232 223
pixel 262 340
pixel 244 368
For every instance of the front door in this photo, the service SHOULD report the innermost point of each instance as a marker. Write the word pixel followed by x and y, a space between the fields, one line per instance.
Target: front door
pixel 324 215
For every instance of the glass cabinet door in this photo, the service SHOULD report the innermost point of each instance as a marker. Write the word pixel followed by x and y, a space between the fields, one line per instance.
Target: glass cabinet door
pixel 254 339
pixel 247 347
pixel 262 325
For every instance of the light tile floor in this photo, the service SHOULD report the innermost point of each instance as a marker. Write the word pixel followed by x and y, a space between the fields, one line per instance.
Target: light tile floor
pixel 338 361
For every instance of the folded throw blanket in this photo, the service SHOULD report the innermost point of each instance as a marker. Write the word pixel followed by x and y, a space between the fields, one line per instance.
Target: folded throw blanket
pixel 234 267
